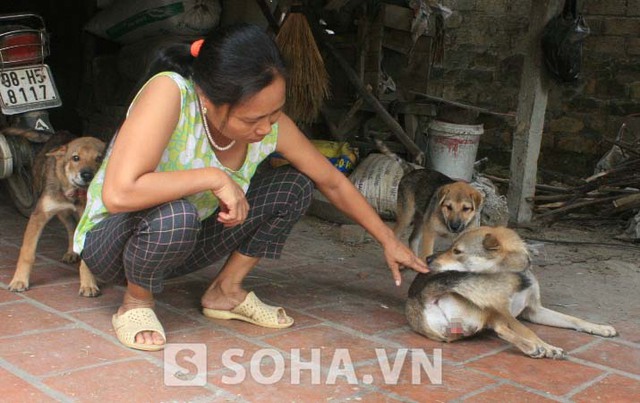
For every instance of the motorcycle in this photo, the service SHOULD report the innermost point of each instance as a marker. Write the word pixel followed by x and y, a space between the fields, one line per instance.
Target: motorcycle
pixel 27 91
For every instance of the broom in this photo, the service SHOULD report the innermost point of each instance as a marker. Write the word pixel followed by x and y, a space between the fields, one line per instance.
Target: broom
pixel 308 84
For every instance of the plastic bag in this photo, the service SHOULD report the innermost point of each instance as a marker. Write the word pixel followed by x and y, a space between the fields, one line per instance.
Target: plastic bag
pixel 562 43
pixel 127 21
pixel 340 154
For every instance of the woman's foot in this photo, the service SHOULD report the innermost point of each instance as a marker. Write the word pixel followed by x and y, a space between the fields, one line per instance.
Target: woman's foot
pixel 221 298
pixel 226 294
pixel 146 337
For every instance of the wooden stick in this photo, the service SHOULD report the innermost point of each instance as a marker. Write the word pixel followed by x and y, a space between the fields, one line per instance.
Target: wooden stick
pixel 550 198
pixel 464 106
pixel 266 11
pixel 577 205
pixel 549 188
pixel 396 129
pixel 626 203
pixel 624 147
pixel 348 116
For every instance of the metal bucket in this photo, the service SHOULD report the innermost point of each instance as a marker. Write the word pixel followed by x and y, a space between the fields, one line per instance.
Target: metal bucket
pixel 452 148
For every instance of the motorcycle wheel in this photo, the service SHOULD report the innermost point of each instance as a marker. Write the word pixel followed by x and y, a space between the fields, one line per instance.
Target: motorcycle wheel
pixel 20 187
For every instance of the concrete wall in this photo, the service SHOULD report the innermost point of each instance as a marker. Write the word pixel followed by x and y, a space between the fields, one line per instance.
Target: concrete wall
pixel 483 60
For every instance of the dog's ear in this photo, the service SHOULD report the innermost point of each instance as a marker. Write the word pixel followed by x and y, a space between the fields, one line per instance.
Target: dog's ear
pixel 58 151
pixel 443 191
pixel 490 242
pixel 478 198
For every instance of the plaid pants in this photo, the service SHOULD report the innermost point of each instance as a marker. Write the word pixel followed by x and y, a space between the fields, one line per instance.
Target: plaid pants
pixel 146 247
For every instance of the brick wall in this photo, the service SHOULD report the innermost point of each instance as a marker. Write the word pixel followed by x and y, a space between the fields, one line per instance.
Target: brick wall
pixel 483 60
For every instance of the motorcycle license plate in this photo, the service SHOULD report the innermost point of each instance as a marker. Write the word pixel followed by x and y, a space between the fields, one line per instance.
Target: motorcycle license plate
pixel 27 88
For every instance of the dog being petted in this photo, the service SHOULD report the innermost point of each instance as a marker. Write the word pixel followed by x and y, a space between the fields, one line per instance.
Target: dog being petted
pixel 62 172
pixel 485 281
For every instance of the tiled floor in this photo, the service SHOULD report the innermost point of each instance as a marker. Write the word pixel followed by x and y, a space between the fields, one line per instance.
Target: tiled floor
pixel 350 335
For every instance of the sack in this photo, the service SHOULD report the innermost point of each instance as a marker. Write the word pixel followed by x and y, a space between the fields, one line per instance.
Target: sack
pixel 127 21
pixel 377 178
pixel 562 43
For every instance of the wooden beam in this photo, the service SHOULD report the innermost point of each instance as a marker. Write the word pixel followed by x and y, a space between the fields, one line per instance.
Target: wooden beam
pixel 532 103
pixel 365 94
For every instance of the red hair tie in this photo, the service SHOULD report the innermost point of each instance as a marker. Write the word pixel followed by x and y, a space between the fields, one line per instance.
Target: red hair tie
pixel 195 47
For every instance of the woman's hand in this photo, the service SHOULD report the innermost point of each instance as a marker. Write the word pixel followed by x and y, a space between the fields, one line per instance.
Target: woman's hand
pixel 398 255
pixel 234 207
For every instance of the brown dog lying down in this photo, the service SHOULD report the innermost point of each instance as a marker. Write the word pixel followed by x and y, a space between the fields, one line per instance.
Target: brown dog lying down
pixel 62 172
pixel 484 281
pixel 436 205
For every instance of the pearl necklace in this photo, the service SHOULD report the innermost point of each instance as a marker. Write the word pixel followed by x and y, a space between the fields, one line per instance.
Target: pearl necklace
pixel 205 124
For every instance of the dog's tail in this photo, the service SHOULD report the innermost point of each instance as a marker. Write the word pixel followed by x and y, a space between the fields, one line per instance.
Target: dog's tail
pixel 35 136
pixel 406 167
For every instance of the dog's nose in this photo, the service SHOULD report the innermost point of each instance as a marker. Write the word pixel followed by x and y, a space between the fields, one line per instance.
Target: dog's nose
pixel 86 176
pixel 455 226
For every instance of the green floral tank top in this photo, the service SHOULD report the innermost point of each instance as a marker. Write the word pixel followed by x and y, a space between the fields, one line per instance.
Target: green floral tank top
pixel 188 148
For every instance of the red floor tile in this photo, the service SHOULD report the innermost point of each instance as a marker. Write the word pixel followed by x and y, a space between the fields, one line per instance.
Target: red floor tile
pixel 8 259
pixel 507 394
pixel 13 231
pixel 381 289
pixel 628 330
pixel 43 275
pixel 614 355
pixel 282 387
pixel 301 296
pixel 217 344
pixel 22 317
pixel 65 298
pixel 613 388
pixel 378 397
pixel 8 296
pixel 15 389
pixel 60 350
pixel 288 263
pixel 132 381
pixel 359 316
pixel 455 382
pixel 176 322
pixel 183 294
pixel 459 351
pixel 98 318
pixel 328 274
pixel 566 339
pixel 557 377
pixel 325 338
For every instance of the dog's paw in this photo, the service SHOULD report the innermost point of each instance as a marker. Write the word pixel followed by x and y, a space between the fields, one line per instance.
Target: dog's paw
pixel 548 351
pixel 602 330
pixel 89 291
pixel 18 286
pixel 70 257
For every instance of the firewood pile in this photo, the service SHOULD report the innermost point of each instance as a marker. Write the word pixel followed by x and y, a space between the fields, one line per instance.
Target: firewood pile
pixel 610 193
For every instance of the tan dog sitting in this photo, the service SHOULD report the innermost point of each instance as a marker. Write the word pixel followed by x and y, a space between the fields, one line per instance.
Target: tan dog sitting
pixel 62 174
pixel 437 206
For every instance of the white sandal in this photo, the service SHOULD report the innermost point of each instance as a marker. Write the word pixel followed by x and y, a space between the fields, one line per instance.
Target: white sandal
pixel 253 311
pixel 134 321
